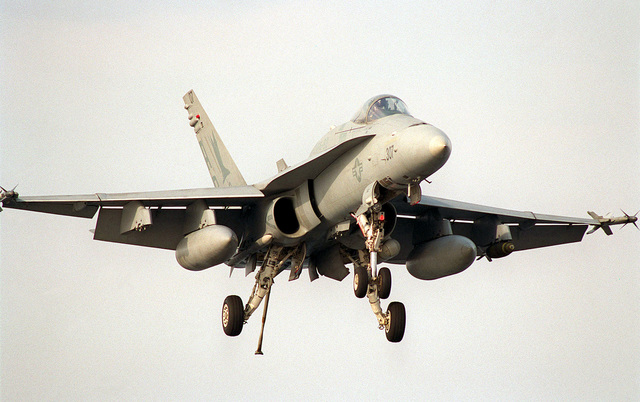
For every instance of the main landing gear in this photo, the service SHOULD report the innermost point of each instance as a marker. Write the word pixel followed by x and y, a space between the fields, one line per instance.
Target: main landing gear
pixel 373 283
pixel 368 280
pixel 235 315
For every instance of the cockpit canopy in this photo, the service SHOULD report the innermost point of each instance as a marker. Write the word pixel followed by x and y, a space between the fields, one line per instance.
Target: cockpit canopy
pixel 378 107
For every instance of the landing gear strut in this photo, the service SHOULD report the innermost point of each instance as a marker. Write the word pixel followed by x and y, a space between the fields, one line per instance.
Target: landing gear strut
pixel 370 219
pixel 234 315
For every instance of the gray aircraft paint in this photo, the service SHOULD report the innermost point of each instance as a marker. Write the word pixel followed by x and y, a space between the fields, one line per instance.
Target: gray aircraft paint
pixel 222 168
pixel 343 163
pixel 306 211
pixel 339 188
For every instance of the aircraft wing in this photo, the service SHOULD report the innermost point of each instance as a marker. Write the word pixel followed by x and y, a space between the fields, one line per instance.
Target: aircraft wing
pixel 528 230
pixel 457 210
pixel 166 218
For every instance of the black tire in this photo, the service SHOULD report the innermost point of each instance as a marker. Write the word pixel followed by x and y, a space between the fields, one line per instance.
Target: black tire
pixel 232 315
pixel 397 319
pixel 384 283
pixel 360 282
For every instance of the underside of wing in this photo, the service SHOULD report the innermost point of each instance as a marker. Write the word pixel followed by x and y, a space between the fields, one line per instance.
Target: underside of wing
pixel 165 227
pixel 488 227
pixel 153 219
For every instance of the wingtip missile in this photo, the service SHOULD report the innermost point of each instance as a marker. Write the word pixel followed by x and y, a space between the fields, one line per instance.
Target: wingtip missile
pixel 631 219
pixel 605 223
pixel 7 195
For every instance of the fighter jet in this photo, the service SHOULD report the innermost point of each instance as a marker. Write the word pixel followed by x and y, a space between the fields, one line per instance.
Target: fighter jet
pixel 355 201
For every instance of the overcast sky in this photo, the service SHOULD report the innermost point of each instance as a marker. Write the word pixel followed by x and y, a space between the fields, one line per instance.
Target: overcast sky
pixel 542 104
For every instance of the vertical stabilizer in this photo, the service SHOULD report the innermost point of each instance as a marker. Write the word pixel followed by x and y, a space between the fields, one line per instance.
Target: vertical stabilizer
pixel 222 168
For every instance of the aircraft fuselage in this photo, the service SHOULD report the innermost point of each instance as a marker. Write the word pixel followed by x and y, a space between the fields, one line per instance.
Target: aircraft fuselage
pixel 402 152
pixel 396 152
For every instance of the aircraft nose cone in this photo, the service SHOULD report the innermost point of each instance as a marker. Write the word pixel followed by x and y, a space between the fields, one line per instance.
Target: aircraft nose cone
pixel 440 146
pixel 425 149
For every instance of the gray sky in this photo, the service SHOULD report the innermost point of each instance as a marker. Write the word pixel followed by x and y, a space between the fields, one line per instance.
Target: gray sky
pixel 542 104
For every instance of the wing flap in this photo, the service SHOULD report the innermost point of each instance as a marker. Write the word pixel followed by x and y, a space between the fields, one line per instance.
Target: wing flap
pixel 536 236
pixel 546 235
pixel 166 230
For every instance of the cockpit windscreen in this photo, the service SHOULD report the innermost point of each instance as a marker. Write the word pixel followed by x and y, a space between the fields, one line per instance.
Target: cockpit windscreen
pixel 379 107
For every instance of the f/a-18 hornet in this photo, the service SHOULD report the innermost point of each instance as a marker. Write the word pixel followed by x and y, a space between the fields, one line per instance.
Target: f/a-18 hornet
pixel 356 200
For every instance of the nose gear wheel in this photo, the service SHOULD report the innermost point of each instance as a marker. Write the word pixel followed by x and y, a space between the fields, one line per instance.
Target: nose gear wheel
pixel 384 283
pixel 360 281
pixel 370 219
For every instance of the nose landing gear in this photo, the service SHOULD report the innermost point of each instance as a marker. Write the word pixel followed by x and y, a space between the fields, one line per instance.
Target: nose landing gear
pixel 371 282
